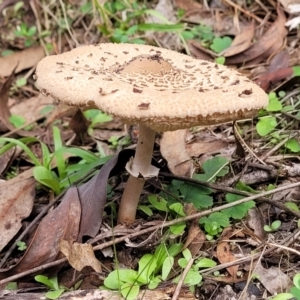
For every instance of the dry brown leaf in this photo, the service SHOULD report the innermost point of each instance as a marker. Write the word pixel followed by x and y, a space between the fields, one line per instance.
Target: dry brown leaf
pixel 198 147
pixel 31 108
pixel 6 159
pixel 224 254
pixel 4 111
pixel 273 279
pixel 279 61
pixel 79 124
pixel 272 37
pixel 222 23
pixel 60 111
pixel 187 5
pixel 196 236
pixel 256 222
pixel 265 80
pixel 60 223
pixel 241 42
pixel 199 51
pixel 80 255
pixel 172 147
pixel 22 60
pixel 16 202
pixel 93 194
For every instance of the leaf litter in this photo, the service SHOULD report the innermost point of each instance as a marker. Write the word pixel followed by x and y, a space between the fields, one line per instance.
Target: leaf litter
pixel 79 214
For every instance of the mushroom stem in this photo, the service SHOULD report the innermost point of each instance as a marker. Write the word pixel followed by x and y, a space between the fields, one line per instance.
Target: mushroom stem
pixel 134 185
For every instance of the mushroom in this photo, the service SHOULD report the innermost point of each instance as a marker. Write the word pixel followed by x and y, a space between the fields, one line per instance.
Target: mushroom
pixel 159 89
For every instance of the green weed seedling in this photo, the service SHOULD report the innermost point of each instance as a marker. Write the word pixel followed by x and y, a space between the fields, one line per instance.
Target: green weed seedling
pixel 152 269
pixel 273 227
pixel 11 286
pixel 96 116
pixel 55 290
pixel 219 44
pixel 215 222
pixel 28 34
pixel 193 277
pixel 271 124
pixel 173 210
pixel 129 21
pixel 21 245
pixel 294 291
pixel 65 175
pixel 202 33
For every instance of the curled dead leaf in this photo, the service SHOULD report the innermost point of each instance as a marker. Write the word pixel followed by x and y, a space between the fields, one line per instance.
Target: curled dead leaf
pixel 173 149
pixel 80 255
pixel 16 202
pixel 273 36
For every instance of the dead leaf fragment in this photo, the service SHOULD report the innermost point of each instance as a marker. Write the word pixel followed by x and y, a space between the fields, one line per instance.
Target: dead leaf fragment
pixel 199 147
pixel 187 5
pixel 16 202
pixel 196 236
pixel 272 37
pixel 265 80
pixel 22 60
pixel 241 42
pixel 80 255
pixel 273 279
pixel 256 222
pixel 4 111
pixel 173 149
pixel 60 223
pixel 31 109
pixel 93 194
pixel 225 255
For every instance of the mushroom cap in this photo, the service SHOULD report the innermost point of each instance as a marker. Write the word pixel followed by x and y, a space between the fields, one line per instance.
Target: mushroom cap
pixel 159 88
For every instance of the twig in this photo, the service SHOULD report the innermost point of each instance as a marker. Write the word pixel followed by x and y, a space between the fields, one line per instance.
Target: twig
pixel 23 126
pixel 278 146
pixel 150 229
pixel 284 248
pixel 182 277
pixel 244 11
pixel 244 144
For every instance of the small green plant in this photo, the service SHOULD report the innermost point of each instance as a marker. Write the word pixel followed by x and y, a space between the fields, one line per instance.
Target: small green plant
pixel 215 222
pixel 128 282
pixel 178 192
pixel 129 18
pixel 96 116
pixel 28 34
pixel 55 290
pixel 118 143
pixel 201 32
pixel 273 227
pixel 294 291
pixel 43 171
pixel 17 120
pixel 273 125
pixel 21 245
pixel 193 277
pixel 219 44
pixel 12 286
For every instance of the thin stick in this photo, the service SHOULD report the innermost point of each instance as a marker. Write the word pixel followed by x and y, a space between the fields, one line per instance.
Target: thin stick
pixel 182 277
pixel 238 7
